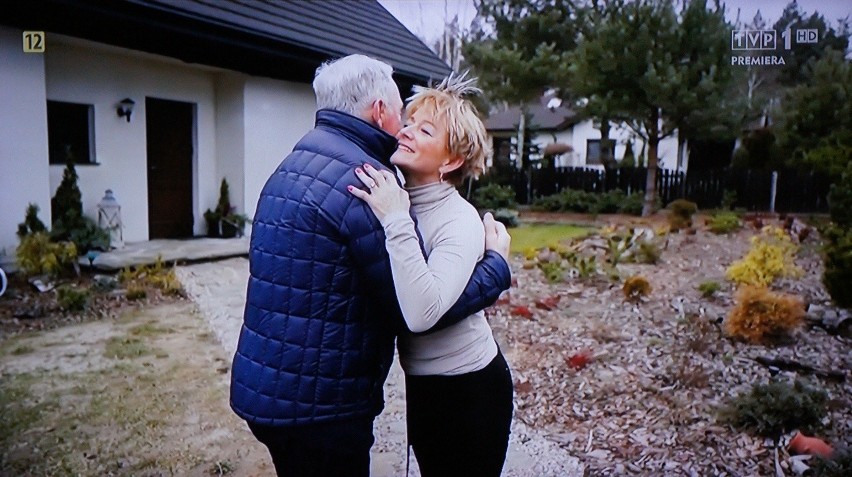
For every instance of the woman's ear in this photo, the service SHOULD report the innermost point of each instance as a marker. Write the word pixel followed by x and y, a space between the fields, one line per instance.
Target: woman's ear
pixel 451 164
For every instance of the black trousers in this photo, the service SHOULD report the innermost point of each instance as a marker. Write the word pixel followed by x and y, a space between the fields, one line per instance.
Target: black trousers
pixel 333 449
pixel 459 425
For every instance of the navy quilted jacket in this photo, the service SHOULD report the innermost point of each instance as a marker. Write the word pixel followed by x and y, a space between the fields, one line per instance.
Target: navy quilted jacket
pixel 321 313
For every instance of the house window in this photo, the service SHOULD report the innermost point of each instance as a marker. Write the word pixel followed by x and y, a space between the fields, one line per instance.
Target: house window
pixel 593 152
pixel 70 132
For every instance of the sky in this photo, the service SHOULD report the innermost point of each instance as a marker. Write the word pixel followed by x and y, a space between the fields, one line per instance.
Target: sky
pixel 426 17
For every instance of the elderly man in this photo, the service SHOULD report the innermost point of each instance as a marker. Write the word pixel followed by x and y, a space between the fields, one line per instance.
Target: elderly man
pixel 321 312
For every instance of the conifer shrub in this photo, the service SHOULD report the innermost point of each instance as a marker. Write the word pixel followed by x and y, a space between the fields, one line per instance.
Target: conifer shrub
pixel 680 214
pixel 772 255
pixel 762 316
pixel 724 223
pixel 37 254
pixel 776 407
pixel 837 276
pixel 31 224
pixel 635 288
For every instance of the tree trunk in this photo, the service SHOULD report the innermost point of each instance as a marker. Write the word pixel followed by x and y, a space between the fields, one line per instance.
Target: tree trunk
pixel 653 129
pixel 607 156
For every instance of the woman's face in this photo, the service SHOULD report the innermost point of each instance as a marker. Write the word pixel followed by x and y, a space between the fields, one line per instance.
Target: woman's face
pixel 422 147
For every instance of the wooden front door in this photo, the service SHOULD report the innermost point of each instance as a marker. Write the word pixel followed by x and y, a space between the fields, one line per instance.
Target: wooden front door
pixel 169 137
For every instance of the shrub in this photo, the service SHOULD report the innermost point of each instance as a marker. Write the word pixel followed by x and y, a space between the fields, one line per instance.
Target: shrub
pixel 72 299
pixel 507 217
pixel 724 223
pixel 494 196
pixel 155 275
pixel 840 464
pixel 136 292
pixel 709 288
pixel 609 202
pixel 772 255
pixel 553 271
pixel 38 255
pixel 840 199
pixel 635 288
pixel 586 267
pixel 632 204
pixel 648 252
pixel 680 214
pixel 837 275
pixel 31 224
pixel 776 407
pixel 761 316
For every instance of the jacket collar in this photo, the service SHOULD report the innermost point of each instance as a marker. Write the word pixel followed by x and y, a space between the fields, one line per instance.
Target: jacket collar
pixel 375 142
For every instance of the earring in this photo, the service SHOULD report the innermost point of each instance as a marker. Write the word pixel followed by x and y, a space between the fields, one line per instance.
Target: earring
pixel 441 176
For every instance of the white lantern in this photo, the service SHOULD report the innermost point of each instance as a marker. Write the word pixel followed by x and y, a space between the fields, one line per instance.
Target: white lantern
pixel 109 218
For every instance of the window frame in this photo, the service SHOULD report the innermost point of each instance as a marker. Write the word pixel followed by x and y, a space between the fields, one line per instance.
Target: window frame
pixel 72 112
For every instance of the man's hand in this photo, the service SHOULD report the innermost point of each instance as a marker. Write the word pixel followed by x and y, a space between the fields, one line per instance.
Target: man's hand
pixel 496 236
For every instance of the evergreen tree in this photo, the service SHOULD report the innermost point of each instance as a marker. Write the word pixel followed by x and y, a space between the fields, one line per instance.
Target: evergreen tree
pixel 67 205
pixel 816 117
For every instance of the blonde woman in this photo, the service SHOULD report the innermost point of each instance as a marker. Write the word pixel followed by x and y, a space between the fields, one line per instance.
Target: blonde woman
pixel 458 385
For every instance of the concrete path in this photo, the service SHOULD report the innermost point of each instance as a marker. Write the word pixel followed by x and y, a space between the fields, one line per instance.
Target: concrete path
pixel 191 250
pixel 218 289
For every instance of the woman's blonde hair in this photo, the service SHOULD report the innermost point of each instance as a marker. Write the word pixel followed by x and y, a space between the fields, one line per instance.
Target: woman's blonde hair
pixel 466 134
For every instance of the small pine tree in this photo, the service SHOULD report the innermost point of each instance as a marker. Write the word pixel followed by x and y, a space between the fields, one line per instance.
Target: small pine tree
pixel 31 224
pixel 68 201
pixel 224 205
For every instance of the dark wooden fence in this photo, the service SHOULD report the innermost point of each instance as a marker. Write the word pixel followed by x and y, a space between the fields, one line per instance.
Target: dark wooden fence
pixel 796 191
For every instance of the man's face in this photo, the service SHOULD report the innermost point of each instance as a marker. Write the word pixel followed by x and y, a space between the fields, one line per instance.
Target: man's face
pixel 391 115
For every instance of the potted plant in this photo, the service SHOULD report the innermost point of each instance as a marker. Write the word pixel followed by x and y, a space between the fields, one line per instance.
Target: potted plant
pixel 223 221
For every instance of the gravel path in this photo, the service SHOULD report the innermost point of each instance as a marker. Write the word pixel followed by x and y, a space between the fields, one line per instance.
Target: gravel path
pixel 218 289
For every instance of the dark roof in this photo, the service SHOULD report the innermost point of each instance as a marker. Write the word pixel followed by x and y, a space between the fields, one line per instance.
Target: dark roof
pixel 542 118
pixel 282 39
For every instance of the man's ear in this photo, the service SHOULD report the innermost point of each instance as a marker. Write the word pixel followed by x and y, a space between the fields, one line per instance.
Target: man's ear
pixel 377 112
pixel 453 163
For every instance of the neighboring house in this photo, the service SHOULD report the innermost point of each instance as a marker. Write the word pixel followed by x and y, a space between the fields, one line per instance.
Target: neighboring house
pixel 552 123
pixel 221 90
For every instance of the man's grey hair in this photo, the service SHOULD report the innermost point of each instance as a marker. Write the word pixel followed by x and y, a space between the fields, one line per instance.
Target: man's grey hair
pixel 351 84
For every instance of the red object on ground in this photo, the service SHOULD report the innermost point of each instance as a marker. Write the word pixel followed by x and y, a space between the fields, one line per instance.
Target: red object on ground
pixel 521 310
pixel 547 303
pixel 579 360
pixel 802 444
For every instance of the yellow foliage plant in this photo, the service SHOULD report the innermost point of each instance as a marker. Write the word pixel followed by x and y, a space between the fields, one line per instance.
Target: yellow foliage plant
pixel 635 288
pixel 38 255
pixel 772 255
pixel 762 316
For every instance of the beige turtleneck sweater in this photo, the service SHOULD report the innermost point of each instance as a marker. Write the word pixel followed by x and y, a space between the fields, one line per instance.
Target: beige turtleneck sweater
pixel 454 240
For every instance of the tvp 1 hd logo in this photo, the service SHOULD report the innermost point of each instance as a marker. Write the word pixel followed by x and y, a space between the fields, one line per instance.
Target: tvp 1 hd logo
pixel 766 41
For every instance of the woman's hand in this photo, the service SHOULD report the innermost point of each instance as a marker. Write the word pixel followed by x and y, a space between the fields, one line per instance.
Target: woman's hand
pixel 497 238
pixel 385 196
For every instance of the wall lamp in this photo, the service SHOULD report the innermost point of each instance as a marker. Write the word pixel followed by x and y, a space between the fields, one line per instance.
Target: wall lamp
pixel 125 108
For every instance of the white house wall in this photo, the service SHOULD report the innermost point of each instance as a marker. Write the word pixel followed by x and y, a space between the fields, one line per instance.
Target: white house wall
pixel 277 114
pixel 577 136
pixel 82 72
pixel 230 140
pixel 24 174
